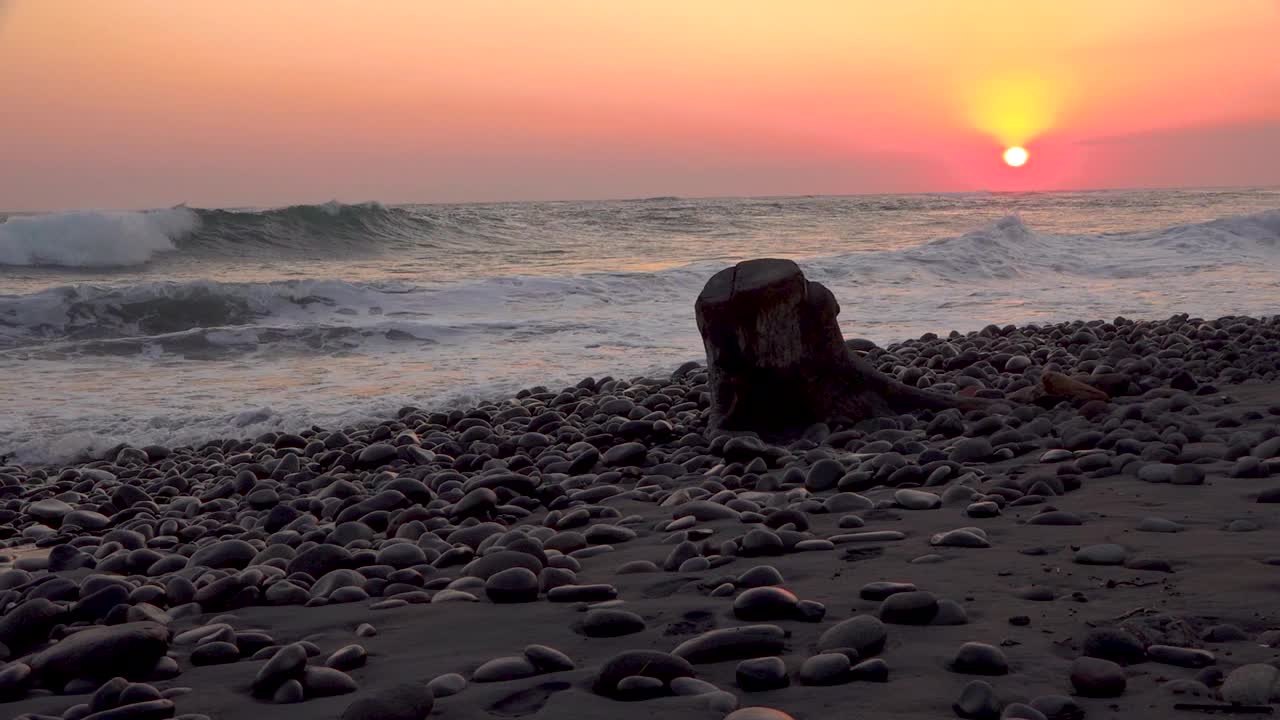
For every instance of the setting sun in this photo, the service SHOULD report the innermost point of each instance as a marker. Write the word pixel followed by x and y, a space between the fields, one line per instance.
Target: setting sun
pixel 1016 156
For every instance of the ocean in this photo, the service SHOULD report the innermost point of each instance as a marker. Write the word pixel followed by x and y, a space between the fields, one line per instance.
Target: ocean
pixel 181 325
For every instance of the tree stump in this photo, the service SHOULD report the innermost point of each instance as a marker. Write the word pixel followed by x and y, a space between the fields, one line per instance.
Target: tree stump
pixel 777 362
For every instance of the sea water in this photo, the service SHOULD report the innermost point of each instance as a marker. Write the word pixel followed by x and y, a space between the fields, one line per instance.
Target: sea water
pixel 181 325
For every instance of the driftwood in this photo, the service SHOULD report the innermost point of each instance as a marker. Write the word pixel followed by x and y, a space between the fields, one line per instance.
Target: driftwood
pixel 777 362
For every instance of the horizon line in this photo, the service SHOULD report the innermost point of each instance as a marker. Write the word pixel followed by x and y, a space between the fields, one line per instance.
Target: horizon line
pixel 641 198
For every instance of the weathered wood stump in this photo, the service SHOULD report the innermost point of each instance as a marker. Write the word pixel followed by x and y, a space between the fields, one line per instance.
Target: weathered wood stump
pixel 777 362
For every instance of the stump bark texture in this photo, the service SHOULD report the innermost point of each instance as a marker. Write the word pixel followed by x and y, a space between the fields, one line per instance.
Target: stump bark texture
pixel 777 362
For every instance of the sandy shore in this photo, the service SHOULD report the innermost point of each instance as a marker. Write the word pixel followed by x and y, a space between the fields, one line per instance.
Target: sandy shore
pixel 1138 531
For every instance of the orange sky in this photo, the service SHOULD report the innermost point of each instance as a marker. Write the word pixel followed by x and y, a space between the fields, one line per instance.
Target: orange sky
pixel 140 103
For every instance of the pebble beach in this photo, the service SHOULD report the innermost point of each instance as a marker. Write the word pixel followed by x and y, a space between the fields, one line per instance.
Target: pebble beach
pixel 1101 542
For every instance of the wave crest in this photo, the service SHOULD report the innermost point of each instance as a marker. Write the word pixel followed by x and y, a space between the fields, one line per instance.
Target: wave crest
pixel 93 238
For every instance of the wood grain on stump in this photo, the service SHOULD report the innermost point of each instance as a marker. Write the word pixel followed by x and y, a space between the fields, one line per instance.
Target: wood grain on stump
pixel 777 362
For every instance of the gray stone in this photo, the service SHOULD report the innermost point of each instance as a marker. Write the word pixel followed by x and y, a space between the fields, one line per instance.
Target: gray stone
pixel 1097 678
pixel 402 702
pixel 503 669
pixel 1103 554
pixel 977 701
pixel 975 658
pixel 765 603
pixel 649 663
pixel 761 674
pixel 863 633
pixel 1256 684
pixel 102 652
pixel 748 641
pixel 917 499
pixel 611 622
pixel 825 669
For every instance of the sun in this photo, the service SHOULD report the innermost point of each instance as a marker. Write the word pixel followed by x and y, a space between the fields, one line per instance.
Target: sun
pixel 1016 156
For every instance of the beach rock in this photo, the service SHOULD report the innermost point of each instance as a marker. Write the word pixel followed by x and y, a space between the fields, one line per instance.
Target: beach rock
pixel 582 593
pixel 1269 496
pixel 963 538
pixel 326 682
pixel 610 622
pixel 1180 656
pixel 950 612
pixel 402 702
pixel 648 663
pixel 376 455
pixel 158 709
pixel 1114 644
pixel 224 554
pixel 863 633
pixel 1060 385
pixel 15 679
pixel 1224 633
pixel 633 453
pixel 909 608
pixel 1187 475
pixel 975 658
pixel 762 674
pixel 984 509
pixel 871 670
pixel 503 669
pixel 29 623
pixel 1256 684
pixel 758 713
pixel 688 687
pixel 1149 564
pixel 1190 688
pixel 972 449
pixel 513 585
pixel 447 685
pixel 825 669
pixel 765 603
pixel 977 701
pixel 1159 525
pixel 917 499
pixel 215 653
pixel 882 589
pixel 948 423
pixel 102 652
pixel 289 692
pixel 760 542
pixel 49 511
pixel 495 562
pixel 1056 518
pixel 1058 707
pixel 748 641
pixel 288 663
pixel 1021 711
pixel 347 658
pixel 1096 678
pixel 548 659
pixel 640 686
pixel 86 519
pixel 760 576
pixel 320 560
pixel 870 536
pixel 1104 554
pixel 823 475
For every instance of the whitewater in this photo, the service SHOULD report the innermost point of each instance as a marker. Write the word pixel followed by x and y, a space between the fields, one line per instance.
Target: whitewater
pixel 181 325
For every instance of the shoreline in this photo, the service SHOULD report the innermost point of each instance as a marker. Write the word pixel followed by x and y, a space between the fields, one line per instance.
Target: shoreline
pixel 590 551
pixel 862 347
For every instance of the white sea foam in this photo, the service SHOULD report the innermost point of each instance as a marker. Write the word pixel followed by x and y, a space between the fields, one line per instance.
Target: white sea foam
pixel 92 238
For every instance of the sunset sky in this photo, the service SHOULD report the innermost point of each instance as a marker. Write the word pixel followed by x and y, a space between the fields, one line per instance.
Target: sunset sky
pixel 147 103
